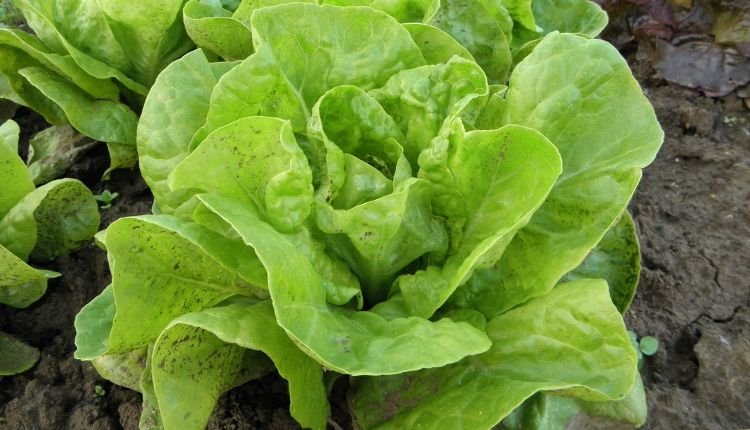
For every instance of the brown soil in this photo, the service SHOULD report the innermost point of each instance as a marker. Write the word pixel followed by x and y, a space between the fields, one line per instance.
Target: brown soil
pixel 692 212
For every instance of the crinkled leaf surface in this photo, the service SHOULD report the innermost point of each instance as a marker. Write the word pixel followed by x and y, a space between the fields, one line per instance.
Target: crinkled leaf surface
pixel 379 238
pixel 437 46
pixel 198 352
pixel 357 343
pixel 303 50
pixel 422 98
pixel 569 16
pixel 496 180
pixel 571 337
pixel 56 218
pixel 564 90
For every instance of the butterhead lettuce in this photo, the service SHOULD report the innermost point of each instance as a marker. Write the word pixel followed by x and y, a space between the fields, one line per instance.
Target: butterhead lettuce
pixel 349 199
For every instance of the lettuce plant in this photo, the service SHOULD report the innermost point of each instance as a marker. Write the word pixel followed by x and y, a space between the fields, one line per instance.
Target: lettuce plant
pixel 90 63
pixel 352 200
pixel 35 223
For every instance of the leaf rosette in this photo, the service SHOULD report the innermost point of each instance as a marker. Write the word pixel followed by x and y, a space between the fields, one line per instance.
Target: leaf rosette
pixel 38 224
pixel 347 198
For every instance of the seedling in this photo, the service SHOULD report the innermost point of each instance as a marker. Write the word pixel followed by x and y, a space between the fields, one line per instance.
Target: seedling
pixel 106 198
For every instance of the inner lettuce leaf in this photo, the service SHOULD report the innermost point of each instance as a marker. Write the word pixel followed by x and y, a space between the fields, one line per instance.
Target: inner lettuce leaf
pixel 350 342
pixel 393 212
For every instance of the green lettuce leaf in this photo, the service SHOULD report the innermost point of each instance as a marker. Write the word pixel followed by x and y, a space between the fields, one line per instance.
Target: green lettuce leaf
pixel 175 109
pixel 481 26
pixel 150 34
pixel 572 337
pixel 270 169
pixel 422 98
pixel 55 219
pixel 15 356
pixel 211 344
pixel 20 284
pixel 53 151
pixel 601 168
pixel 496 180
pixel 617 260
pixel 14 176
pixel 212 28
pixel 296 62
pixel 357 343
pixel 170 261
pixel 80 29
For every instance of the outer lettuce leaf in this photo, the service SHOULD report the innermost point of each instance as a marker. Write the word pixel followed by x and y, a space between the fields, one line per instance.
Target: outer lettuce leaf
pixel 52 220
pixel 80 28
pixel 569 16
pixel 131 44
pixel 572 107
pixel 521 12
pixel 566 16
pixel 356 343
pixel 149 32
pixel 102 120
pixel 15 356
pixel 403 10
pixel 216 341
pixel 14 175
pixel 59 63
pixel 53 151
pixel 20 284
pixel 173 112
pixel 9 133
pixel 616 259
pixel 571 337
pixel 93 325
pixel 169 261
pixel 302 51
pixel 548 411
pixel 123 369
pixel 14 87
pixel 496 180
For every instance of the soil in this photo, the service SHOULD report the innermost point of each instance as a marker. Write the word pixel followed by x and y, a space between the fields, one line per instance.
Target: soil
pixel 694 296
